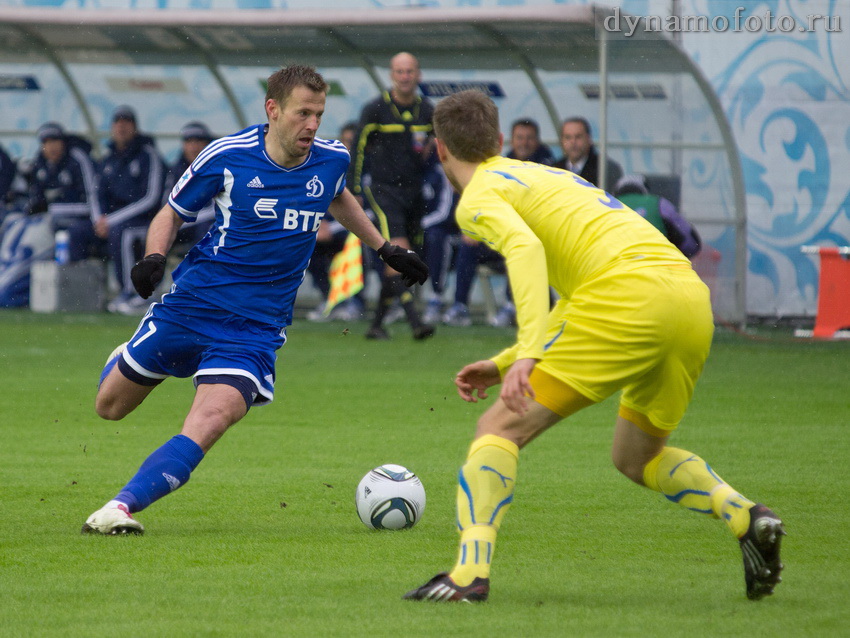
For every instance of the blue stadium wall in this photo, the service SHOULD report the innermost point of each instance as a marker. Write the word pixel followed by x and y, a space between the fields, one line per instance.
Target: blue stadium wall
pixel 786 96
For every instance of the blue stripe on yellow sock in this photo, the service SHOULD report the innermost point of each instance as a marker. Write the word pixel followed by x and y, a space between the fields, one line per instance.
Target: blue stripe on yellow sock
pixel 465 487
pixel 507 501
pixel 679 496
pixel 710 471
pixel 676 498
pixel 504 479
pixel 678 465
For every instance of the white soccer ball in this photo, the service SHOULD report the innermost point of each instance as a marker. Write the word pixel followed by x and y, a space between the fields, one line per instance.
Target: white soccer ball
pixel 390 497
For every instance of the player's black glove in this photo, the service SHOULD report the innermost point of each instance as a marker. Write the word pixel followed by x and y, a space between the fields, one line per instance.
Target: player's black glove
pixel 147 273
pixel 413 270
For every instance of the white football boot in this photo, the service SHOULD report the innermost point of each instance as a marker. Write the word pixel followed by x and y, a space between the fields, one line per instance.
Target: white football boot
pixel 112 520
pixel 118 350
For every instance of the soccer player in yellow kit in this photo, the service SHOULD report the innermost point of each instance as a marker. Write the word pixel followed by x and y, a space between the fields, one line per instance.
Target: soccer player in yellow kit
pixel 632 316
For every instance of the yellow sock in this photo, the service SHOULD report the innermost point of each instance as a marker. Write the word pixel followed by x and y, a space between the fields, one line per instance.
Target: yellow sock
pixel 732 507
pixel 686 479
pixel 485 491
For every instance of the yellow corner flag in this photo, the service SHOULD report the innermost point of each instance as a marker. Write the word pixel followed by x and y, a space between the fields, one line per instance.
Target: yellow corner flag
pixel 346 273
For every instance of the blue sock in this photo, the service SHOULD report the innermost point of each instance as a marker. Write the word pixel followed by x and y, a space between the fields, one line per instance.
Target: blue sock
pixel 162 472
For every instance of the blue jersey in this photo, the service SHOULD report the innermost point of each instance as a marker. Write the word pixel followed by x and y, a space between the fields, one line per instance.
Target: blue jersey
pixel 266 217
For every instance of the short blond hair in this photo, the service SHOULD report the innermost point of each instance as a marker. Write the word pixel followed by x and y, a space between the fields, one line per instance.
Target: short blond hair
pixel 468 124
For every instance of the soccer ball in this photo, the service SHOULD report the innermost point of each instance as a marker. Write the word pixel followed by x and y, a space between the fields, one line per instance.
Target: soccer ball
pixel 390 497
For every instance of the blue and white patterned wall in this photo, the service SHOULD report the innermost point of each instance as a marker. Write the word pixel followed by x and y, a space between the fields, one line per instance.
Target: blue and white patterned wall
pixel 786 95
pixel 787 98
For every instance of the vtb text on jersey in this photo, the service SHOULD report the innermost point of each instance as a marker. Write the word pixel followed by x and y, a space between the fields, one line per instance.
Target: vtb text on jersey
pixel 266 217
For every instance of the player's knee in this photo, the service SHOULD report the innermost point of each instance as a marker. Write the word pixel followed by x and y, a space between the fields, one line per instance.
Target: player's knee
pixel 110 408
pixel 487 425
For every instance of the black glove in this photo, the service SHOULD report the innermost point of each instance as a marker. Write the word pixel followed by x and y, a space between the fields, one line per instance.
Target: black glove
pixel 413 270
pixel 147 273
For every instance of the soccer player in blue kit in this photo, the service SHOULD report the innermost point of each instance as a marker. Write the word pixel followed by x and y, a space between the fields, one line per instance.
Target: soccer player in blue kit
pixel 233 294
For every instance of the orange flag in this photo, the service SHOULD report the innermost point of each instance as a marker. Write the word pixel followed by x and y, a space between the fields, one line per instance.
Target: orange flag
pixel 346 273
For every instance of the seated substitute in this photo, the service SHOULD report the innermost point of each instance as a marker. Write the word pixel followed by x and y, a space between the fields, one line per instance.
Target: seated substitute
pixel 633 316
pixel 8 171
pixel 658 211
pixel 234 292
pixel 527 147
pixel 64 184
pixel 130 193
pixel 441 234
pixel 194 137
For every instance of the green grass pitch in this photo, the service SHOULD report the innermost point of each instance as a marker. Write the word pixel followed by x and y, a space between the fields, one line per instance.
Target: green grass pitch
pixel 265 540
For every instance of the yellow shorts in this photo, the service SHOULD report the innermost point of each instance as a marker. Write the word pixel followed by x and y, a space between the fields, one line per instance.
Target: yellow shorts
pixel 647 332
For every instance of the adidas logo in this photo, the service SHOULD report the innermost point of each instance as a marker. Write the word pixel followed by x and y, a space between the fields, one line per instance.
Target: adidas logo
pixel 367 491
pixel 173 481
pixel 255 183
pixel 441 592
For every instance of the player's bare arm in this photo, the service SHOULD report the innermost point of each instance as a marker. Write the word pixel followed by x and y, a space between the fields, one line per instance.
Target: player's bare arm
pixel 348 212
pixel 163 231
pixel 474 379
pixel 149 271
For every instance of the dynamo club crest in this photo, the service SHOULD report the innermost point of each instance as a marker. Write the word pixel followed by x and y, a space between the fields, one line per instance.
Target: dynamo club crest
pixel 315 188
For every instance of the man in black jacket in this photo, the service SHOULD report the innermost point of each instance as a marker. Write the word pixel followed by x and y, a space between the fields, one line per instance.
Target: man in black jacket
pixel 394 141
pixel 581 157
pixel 526 145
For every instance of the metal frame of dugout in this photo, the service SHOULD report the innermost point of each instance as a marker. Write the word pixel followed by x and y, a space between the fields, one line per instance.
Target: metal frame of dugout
pixel 534 40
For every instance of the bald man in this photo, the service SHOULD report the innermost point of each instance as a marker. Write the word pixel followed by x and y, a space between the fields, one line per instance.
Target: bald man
pixel 394 140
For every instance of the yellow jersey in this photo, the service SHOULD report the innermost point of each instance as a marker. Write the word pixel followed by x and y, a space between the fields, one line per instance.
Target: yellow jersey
pixel 554 229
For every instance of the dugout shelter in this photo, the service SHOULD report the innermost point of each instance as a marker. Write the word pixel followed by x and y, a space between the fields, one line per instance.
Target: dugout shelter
pixel 651 108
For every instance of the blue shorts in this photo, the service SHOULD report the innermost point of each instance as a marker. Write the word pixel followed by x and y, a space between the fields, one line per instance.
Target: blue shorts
pixel 183 336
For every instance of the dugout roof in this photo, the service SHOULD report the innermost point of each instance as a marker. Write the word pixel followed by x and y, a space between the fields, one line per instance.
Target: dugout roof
pixel 650 80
